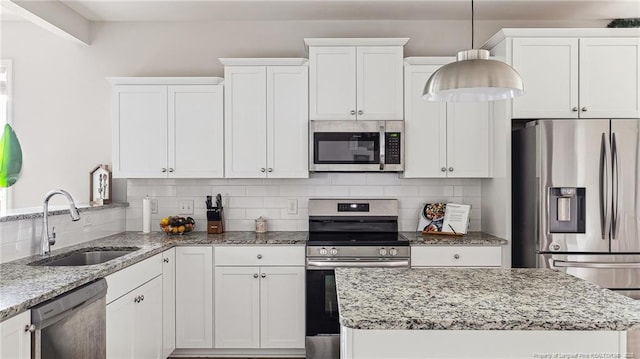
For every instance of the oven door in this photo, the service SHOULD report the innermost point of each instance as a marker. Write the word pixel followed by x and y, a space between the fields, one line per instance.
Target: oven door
pixel 323 327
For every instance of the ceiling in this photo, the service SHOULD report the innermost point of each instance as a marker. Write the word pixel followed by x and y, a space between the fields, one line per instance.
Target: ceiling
pixel 220 10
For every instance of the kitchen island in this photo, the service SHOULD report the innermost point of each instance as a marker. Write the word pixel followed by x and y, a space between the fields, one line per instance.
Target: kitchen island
pixel 479 313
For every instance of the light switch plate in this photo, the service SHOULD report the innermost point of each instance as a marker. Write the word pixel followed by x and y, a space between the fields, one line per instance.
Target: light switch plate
pixel 154 206
pixel 185 206
pixel 292 206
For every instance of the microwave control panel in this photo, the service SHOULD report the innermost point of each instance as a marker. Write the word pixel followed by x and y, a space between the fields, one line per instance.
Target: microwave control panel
pixel 392 147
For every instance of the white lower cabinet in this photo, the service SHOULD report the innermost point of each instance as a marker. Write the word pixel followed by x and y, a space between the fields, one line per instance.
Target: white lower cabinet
pixel 194 297
pixel 134 323
pixel 260 306
pixel 456 256
pixel 168 302
pixel 15 341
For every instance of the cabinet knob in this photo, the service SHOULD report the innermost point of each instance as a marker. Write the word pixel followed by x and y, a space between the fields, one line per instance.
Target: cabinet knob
pixel 262 170
pixel 360 112
pixel 166 260
pixel 136 299
pixel 353 112
pixel 270 170
pixel 259 256
pixel 584 109
pixel 443 169
pixel 575 109
pixel 163 170
pixel 255 275
pixel 450 169
pixel 456 256
pixel 142 297
pixel 170 169
pixel 263 275
pixel 30 328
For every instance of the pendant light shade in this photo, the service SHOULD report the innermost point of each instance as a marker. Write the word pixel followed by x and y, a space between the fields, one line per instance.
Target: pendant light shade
pixel 473 77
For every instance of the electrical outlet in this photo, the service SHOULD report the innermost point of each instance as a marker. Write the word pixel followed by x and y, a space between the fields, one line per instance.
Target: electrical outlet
pixel 86 220
pixel 292 206
pixel 185 206
pixel 154 206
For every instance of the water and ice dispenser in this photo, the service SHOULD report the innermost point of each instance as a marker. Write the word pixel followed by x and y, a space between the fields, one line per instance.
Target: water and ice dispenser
pixel 567 209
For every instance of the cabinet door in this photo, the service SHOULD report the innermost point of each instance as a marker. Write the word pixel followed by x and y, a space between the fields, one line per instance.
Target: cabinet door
pixel 194 297
pixel 332 78
pixel 287 122
pixel 282 307
pixel 15 341
pixel 549 70
pixel 195 131
pixel 379 83
pixel 245 121
pixel 237 316
pixel 609 78
pixel 425 127
pixel 121 326
pixel 147 332
pixel 168 302
pixel 468 139
pixel 139 131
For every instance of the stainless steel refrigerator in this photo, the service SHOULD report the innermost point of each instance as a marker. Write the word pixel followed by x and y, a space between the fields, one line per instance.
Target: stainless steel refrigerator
pixel 576 199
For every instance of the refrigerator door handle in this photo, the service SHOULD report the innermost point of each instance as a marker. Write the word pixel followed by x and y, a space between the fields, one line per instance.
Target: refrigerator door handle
pixel 605 213
pixel 614 186
pixel 601 265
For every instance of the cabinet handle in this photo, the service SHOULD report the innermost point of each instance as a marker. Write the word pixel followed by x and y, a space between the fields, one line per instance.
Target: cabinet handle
pixel 255 275
pixel 360 112
pixel 259 256
pixel 450 169
pixel 584 109
pixel 270 170
pixel 164 170
pixel 30 328
pixel 575 109
pixel 170 169
pixel 456 256
pixel 262 170
pixel 443 169
pixel 263 275
pixel 136 299
pixel 353 112
pixel 166 260
pixel 142 297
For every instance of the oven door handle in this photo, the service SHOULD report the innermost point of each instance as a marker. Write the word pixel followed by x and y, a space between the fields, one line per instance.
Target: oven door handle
pixel 311 264
pixel 602 265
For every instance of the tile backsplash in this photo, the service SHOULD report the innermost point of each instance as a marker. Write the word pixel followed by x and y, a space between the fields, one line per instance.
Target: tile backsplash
pixel 244 200
pixel 21 238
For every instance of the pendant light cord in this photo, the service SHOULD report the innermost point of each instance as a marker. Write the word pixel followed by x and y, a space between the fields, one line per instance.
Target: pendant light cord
pixel 472 25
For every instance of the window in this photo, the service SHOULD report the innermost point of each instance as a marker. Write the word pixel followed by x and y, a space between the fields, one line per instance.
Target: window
pixel 5 117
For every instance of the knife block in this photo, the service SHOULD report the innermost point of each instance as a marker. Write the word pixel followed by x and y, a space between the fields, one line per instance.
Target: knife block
pixel 215 227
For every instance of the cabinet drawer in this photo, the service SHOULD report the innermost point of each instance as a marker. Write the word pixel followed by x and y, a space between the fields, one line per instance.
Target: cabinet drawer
pixel 456 256
pixel 127 279
pixel 259 256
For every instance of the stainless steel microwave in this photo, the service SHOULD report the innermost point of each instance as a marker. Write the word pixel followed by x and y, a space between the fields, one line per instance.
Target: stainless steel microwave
pixel 356 146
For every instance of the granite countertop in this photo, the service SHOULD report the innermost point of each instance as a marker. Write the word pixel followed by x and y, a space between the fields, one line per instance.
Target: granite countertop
pixel 23 286
pixel 478 299
pixel 37 212
pixel 471 238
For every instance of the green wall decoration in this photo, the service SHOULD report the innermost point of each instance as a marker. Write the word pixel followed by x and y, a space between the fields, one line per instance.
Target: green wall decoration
pixel 10 157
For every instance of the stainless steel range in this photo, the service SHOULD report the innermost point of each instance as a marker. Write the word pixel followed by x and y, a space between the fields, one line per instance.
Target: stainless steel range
pixel 345 233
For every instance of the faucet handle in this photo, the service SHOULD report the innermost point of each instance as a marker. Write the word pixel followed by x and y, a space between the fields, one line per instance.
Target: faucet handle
pixel 52 239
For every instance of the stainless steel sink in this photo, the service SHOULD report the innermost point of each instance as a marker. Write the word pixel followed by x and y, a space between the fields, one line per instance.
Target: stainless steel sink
pixel 85 257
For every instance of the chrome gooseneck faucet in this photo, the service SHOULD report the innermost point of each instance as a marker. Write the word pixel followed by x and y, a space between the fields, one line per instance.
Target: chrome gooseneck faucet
pixel 48 241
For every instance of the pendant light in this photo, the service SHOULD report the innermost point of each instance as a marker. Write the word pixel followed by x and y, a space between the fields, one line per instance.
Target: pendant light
pixel 473 77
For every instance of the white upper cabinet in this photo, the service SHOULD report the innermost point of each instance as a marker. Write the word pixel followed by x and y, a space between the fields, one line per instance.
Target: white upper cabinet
pixel 577 77
pixel 266 118
pixel 167 127
pixel 443 139
pixel 355 79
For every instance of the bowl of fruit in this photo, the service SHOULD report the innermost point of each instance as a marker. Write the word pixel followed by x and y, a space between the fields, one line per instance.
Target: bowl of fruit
pixel 177 225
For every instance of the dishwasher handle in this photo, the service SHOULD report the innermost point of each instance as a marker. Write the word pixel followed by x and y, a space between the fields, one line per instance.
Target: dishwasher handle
pixel 66 304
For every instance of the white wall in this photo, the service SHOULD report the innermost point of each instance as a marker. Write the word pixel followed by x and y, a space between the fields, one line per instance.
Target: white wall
pixel 246 200
pixel 61 99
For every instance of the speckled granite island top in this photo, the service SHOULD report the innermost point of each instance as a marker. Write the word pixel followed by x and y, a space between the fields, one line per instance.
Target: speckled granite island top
pixel 23 286
pixel 471 238
pixel 478 299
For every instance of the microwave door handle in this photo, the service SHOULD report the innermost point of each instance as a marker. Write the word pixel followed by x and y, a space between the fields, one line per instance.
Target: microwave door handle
pixel 382 147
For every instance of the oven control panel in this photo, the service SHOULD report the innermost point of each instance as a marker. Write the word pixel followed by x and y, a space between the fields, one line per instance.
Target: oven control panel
pixel 353 207
pixel 358 251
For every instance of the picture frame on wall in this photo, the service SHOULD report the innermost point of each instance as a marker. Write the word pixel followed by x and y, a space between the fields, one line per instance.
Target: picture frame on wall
pixel 100 188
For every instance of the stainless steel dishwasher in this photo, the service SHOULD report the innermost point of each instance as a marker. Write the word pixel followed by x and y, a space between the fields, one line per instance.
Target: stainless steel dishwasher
pixel 72 325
